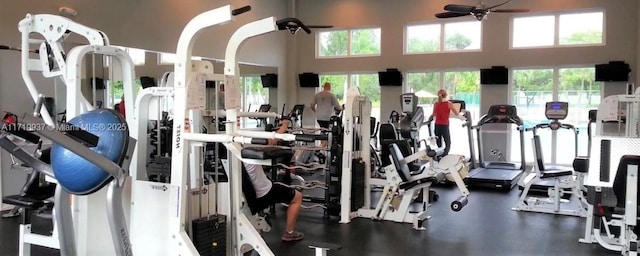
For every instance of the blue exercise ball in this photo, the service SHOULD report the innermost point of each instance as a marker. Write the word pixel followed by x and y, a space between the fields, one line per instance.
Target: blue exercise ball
pixel 79 176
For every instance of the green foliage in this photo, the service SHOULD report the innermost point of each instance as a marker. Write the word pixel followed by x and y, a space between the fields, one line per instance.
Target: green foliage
pixel 457 42
pixel 253 92
pixel 365 41
pixel 368 84
pixel 532 82
pixel 587 37
pixel 467 81
pixel 333 43
pixel 416 45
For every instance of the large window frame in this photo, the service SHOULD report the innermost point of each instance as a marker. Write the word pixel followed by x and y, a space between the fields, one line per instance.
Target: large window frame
pixel 350 79
pixel 461 142
pixel 552 141
pixel 349 42
pixel 442 43
pixel 556 28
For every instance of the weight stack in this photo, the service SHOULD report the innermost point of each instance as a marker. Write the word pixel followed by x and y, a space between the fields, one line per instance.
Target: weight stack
pixel 357 184
pixel 210 235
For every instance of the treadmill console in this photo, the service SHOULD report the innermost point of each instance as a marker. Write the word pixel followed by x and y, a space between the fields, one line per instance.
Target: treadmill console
pixel 409 102
pixel 503 111
pixel 264 108
pixel 556 110
pixel 458 104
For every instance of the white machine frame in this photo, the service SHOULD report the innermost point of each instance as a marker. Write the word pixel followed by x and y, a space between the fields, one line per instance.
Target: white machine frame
pixel 89 223
pixel 554 204
pixel 386 209
pixel 610 110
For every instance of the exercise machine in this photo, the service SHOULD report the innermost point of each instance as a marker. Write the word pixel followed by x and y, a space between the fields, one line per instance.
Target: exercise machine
pixel 556 181
pixel 173 238
pixel 90 226
pixel 497 174
pixel 612 193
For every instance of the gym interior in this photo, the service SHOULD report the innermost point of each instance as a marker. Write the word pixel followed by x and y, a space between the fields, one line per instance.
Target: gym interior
pixel 543 122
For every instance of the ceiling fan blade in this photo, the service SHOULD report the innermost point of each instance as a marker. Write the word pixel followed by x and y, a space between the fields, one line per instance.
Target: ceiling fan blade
pixel 459 8
pixel 319 26
pixel 510 10
pixel 491 7
pixel 444 15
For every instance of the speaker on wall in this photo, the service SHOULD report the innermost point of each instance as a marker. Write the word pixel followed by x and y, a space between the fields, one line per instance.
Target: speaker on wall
pixel 269 80
pixel 390 77
pixel 147 81
pixel 614 71
pixel 309 80
pixel 494 75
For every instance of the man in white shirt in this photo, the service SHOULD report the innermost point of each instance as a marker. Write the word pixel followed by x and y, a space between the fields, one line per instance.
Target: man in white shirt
pixel 268 193
pixel 324 104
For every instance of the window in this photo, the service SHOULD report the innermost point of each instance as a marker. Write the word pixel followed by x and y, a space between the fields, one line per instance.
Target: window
pixel 461 85
pixel 533 31
pixel 253 95
pixel 581 28
pixel 453 36
pixel 343 43
pixel 368 84
pixel 584 28
pixel 533 88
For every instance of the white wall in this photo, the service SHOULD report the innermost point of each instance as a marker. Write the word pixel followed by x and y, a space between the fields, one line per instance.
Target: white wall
pixel 621 37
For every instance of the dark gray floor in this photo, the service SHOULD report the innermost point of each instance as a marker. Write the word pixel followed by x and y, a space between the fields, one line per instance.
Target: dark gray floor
pixel 486 226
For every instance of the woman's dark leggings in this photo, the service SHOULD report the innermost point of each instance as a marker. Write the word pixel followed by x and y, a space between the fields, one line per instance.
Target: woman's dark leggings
pixel 442 133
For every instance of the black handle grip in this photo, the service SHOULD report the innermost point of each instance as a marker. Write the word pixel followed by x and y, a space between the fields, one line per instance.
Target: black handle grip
pixel 605 160
pixel 459 203
pixel 305 137
pixel 241 10
pixel 259 141
pixel 82 136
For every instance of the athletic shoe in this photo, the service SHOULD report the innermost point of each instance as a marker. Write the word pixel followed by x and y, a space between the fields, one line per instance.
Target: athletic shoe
pixel 292 237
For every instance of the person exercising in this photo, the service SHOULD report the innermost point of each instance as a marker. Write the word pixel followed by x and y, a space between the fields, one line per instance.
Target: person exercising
pixel 324 104
pixel 441 110
pixel 268 193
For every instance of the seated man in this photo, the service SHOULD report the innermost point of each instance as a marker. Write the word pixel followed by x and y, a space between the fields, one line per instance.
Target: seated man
pixel 268 193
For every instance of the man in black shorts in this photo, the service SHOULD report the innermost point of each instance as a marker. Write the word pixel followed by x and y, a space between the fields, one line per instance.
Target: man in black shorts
pixel 323 104
pixel 268 193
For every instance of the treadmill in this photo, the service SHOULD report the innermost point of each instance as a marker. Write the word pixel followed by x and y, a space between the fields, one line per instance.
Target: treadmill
pixel 497 174
pixel 555 111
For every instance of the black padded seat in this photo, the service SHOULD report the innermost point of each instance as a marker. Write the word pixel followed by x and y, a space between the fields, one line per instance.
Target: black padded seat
pixel 266 153
pixel 23 202
pixel 413 183
pixel 552 173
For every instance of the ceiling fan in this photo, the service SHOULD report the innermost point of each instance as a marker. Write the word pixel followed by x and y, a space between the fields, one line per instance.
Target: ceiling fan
pixel 479 11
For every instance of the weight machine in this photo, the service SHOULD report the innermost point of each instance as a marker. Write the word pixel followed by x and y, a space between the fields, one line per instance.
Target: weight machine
pixel 556 181
pixel 612 193
pixel 186 141
pixel 399 183
pixel 89 212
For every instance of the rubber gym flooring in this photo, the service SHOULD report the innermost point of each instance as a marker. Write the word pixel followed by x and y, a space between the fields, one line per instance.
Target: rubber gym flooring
pixel 486 226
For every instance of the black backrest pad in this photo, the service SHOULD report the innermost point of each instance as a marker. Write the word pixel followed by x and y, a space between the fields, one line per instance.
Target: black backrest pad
pixel 620 181
pixel 398 161
pixel 404 146
pixel 538 148
pixel 387 132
